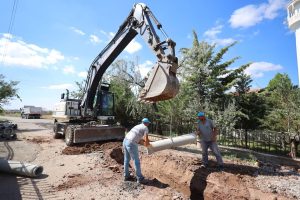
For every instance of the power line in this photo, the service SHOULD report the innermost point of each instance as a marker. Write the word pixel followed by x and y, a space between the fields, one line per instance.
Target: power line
pixel 10 27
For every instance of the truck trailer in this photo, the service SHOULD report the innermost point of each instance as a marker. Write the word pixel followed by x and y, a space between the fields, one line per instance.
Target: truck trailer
pixel 31 112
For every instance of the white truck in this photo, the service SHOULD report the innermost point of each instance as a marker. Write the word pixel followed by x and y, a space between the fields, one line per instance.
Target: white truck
pixel 32 112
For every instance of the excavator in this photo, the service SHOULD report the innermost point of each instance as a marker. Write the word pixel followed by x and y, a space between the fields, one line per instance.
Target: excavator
pixel 91 118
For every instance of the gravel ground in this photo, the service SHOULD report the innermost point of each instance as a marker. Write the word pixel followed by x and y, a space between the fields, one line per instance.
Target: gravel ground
pixel 283 181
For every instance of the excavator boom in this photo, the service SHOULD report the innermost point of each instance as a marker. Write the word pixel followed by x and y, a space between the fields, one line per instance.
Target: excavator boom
pixel 162 83
pixel 91 118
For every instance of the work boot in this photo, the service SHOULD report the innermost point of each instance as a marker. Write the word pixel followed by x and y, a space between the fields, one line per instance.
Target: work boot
pixel 128 178
pixel 220 168
pixel 142 181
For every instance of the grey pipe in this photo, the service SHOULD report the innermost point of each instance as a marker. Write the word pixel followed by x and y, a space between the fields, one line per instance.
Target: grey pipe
pixel 20 168
pixel 171 142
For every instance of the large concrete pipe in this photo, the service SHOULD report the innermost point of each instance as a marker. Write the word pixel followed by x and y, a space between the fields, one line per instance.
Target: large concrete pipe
pixel 171 142
pixel 20 168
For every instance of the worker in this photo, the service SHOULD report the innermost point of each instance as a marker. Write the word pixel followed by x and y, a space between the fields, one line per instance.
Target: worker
pixel 137 135
pixel 207 131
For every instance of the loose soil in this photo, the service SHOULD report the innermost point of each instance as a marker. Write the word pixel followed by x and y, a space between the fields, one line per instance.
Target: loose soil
pixel 180 171
pixel 95 171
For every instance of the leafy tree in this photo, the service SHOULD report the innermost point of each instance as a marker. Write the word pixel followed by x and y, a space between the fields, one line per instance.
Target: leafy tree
pixel 227 119
pixel 208 78
pixel 251 105
pixel 243 84
pixel 78 94
pixel 280 93
pixel 126 82
pixel 123 96
pixel 8 91
pixel 284 108
pixel 175 116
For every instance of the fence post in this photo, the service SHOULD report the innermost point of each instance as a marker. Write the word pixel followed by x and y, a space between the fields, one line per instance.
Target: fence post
pixel 246 138
pixel 235 137
pixel 276 149
pixel 225 139
pixel 269 141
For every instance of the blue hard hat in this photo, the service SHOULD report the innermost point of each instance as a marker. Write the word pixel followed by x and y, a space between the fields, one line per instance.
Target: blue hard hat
pixel 146 120
pixel 200 114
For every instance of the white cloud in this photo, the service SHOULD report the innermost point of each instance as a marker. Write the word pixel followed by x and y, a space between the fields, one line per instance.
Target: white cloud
pixel 53 57
pixel 273 7
pixel 251 15
pixel 108 35
pixel 82 74
pixel 246 16
pixel 19 53
pixel 59 86
pixel 212 36
pixel 145 67
pixel 258 69
pixel 133 47
pixel 213 32
pixel 103 32
pixel 111 35
pixel 7 35
pixel 69 69
pixel 224 41
pixel 78 31
pixel 94 39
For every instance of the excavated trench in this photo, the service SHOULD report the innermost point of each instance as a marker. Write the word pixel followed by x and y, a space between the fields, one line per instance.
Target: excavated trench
pixel 180 171
pixel 163 170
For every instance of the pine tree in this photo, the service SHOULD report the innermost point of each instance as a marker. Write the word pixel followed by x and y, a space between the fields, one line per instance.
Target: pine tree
pixel 207 78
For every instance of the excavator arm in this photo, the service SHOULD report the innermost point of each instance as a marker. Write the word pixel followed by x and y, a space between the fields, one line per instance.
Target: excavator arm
pixel 162 83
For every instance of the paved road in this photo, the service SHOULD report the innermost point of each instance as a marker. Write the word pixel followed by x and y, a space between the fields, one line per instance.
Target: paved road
pixel 23 149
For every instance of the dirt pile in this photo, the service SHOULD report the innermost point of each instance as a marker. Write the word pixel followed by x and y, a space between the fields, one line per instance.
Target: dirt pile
pixel 113 156
pixel 81 149
pixel 111 153
pixel 73 180
pixel 39 140
pixel 112 159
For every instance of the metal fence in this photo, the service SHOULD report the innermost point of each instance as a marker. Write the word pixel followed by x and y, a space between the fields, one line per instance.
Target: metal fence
pixel 257 140
pixel 171 130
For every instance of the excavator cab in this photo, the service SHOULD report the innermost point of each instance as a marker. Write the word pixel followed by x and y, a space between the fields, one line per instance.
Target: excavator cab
pixel 105 103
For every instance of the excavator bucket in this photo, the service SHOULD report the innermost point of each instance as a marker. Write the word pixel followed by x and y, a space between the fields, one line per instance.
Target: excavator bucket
pixel 162 84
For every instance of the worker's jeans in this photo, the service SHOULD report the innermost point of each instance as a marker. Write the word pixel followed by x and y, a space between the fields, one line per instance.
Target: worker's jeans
pixel 131 151
pixel 214 147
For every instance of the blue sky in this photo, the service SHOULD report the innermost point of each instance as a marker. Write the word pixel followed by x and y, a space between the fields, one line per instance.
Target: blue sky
pixel 48 45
